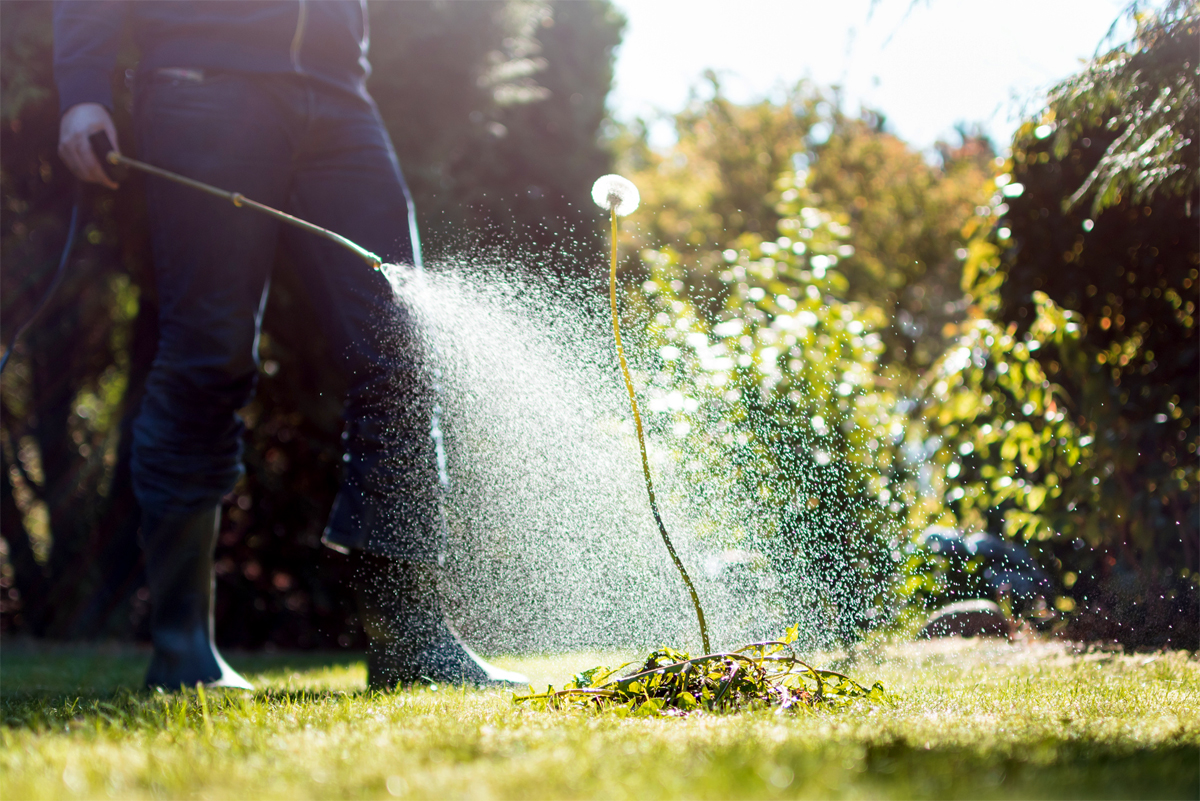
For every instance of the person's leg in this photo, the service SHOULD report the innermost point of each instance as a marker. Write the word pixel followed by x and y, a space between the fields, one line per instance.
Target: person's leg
pixel 212 263
pixel 389 508
pixel 347 179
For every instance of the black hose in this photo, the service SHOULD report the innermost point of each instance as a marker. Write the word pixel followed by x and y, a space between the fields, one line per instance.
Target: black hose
pixel 72 230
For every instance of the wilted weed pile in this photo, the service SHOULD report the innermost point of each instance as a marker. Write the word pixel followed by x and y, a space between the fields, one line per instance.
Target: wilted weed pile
pixel 760 675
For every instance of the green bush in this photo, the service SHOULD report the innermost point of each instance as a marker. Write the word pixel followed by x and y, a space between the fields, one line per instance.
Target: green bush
pixel 1068 402
pixel 777 400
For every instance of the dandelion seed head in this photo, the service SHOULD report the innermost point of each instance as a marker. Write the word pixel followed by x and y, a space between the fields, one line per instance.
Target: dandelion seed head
pixel 615 192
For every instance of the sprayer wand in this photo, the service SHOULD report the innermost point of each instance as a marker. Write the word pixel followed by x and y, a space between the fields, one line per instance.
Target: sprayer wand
pixel 114 165
pixel 104 151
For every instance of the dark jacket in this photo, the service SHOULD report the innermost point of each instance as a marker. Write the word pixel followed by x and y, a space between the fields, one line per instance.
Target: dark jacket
pixel 323 39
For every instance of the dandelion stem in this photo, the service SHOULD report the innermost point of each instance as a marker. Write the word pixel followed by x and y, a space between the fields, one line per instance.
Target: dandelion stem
pixel 637 421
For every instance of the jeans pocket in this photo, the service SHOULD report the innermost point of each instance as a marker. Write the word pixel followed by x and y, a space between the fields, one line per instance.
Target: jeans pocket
pixel 174 105
pixel 179 85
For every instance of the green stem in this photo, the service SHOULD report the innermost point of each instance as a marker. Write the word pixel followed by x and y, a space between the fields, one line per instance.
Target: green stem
pixel 637 421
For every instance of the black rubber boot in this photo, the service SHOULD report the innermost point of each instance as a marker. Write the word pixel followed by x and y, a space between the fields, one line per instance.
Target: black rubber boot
pixel 410 640
pixel 390 497
pixel 179 570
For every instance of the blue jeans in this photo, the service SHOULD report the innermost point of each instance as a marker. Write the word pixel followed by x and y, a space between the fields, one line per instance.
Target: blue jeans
pixel 322 154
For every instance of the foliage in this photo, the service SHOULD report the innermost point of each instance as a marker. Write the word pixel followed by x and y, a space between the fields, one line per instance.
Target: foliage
pixel 1068 402
pixel 786 379
pixel 907 217
pixel 757 676
pixel 1007 422
pixel 719 180
pixel 798 351
pixel 719 175
pixel 1149 90
pixel 509 98
pixel 1055 383
pixel 66 396
pixel 990 721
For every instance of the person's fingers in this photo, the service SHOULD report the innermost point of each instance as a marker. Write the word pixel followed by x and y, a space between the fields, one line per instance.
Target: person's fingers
pixel 78 124
pixel 79 159
pixel 68 149
pixel 93 170
pixel 83 161
pixel 67 154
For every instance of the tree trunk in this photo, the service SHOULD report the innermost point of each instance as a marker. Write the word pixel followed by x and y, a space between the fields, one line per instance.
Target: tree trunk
pixel 115 550
pixel 28 579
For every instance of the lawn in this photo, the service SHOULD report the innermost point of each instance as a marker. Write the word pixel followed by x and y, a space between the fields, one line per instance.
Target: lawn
pixel 970 719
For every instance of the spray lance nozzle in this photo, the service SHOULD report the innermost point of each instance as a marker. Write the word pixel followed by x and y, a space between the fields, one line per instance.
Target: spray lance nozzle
pixel 117 167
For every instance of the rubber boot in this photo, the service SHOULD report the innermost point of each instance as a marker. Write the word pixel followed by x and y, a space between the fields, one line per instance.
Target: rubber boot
pixel 390 497
pixel 179 570
pixel 410 641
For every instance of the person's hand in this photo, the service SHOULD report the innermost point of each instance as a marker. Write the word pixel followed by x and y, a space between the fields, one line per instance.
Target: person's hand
pixel 81 121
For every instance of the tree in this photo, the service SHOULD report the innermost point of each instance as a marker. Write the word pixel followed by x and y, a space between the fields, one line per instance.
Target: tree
pixel 718 180
pixel 507 99
pixel 906 214
pixel 1069 400
pixel 67 503
pixel 1140 89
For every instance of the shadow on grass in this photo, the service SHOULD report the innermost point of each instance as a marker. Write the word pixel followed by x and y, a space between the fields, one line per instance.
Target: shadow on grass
pixel 1050 769
pixel 57 684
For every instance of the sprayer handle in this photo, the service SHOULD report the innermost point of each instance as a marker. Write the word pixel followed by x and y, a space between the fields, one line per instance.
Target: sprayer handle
pixel 102 147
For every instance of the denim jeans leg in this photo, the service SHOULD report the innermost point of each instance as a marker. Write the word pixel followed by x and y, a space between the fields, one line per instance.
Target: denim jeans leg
pixel 348 179
pixel 212 266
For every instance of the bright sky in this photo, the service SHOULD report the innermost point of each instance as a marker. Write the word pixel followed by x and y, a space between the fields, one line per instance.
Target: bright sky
pixel 926 65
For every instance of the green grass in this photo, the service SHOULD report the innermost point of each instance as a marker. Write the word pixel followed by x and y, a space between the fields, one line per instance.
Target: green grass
pixel 970 720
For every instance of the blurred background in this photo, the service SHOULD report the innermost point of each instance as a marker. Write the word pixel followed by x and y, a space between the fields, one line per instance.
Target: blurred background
pixel 978 296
